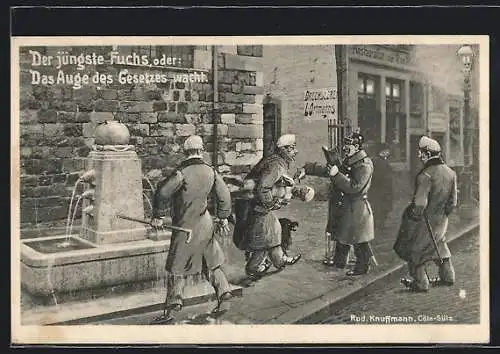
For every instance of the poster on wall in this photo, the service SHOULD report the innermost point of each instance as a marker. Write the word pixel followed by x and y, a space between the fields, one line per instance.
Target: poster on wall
pixel 320 104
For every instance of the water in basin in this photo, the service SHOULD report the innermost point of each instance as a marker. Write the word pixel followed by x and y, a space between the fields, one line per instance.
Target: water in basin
pixel 64 244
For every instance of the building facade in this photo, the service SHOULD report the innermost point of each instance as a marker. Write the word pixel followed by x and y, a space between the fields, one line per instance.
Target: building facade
pixel 239 100
pixel 396 94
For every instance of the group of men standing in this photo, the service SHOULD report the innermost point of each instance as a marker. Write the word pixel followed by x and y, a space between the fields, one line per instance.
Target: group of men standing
pixel 258 229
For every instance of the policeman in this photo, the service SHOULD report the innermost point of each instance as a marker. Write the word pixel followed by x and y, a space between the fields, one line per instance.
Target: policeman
pixel 424 223
pixel 356 219
pixel 187 190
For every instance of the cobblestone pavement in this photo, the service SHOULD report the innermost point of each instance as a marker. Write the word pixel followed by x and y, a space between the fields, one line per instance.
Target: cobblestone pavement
pixel 278 294
pixel 446 305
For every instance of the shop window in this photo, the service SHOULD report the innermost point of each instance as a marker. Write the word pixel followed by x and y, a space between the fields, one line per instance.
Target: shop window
pixel 368 114
pixel 438 100
pixel 395 134
pixel 184 55
pixel 249 50
pixel 416 105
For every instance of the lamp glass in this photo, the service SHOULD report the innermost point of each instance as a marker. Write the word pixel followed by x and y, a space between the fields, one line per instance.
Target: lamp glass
pixel 466 53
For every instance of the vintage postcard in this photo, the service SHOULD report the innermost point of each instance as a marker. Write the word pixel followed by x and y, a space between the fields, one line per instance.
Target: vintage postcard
pixel 208 190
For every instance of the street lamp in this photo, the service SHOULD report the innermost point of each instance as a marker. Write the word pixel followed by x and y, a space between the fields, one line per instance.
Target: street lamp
pixel 466 54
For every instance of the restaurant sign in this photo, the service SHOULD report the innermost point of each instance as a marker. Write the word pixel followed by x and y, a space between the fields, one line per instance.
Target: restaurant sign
pixel 381 54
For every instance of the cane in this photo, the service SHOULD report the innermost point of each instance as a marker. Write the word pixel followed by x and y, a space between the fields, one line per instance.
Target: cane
pixel 372 255
pixel 431 234
pixel 327 246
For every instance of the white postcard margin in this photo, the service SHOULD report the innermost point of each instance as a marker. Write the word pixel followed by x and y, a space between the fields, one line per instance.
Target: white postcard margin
pixel 252 334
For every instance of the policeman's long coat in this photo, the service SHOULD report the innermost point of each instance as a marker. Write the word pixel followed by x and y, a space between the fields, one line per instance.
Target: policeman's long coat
pixel 188 190
pixel 435 195
pixel 263 229
pixel 356 216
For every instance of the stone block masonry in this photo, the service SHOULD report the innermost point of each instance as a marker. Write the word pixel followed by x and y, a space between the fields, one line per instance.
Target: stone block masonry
pixel 58 122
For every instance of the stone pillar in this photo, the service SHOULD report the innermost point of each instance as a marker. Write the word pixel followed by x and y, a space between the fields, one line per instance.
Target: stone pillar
pixel 117 186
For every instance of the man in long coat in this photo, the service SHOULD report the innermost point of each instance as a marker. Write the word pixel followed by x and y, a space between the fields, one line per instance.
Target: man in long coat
pixel 262 238
pixel 381 194
pixel 434 198
pixel 356 219
pixel 187 190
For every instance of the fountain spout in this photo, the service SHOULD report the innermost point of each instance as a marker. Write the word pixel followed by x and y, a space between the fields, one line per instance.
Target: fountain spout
pixel 89 194
pixel 88 176
pixel 88 210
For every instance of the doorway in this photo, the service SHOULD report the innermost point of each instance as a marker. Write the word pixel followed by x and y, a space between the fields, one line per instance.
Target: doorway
pixel 272 123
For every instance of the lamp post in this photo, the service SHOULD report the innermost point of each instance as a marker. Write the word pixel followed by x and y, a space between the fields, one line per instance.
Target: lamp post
pixel 466 54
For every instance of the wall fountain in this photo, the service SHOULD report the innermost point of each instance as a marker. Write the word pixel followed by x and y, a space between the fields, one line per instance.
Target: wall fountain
pixel 108 250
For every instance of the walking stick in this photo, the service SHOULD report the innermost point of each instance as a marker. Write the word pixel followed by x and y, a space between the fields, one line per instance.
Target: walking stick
pixel 431 234
pixel 171 227
pixel 327 246
pixel 372 255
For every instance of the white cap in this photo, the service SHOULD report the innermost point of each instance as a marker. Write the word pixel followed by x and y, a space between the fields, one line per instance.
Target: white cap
pixel 429 144
pixel 286 140
pixel 194 142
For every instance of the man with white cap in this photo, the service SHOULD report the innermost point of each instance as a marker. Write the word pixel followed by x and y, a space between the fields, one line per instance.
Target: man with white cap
pixel 422 234
pixel 187 191
pixel 262 239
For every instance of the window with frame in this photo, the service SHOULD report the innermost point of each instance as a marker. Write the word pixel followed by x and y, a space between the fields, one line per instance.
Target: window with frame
pixel 368 114
pixel 439 99
pixel 395 133
pixel 416 104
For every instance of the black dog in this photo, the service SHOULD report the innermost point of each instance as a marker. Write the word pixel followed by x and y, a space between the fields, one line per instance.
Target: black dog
pixel 287 226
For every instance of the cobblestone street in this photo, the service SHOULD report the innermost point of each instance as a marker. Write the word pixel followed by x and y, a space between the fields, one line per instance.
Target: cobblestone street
pixel 456 304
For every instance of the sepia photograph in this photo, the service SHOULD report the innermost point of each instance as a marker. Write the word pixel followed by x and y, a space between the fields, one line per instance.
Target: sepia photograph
pixel 293 189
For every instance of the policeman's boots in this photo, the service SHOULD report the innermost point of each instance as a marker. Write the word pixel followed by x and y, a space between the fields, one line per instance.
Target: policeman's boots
pixel 341 255
pixel 363 254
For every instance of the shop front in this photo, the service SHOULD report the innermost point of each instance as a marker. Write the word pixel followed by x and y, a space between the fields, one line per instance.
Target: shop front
pixel 392 101
pixel 386 100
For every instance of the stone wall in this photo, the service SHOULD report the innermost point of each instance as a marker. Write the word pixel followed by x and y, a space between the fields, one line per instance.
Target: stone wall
pixel 57 123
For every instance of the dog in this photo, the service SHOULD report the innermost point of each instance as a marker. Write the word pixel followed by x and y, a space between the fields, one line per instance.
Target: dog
pixel 287 226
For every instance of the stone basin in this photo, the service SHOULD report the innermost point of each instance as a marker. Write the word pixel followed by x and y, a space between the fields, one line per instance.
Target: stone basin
pixel 60 264
pixel 59 244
